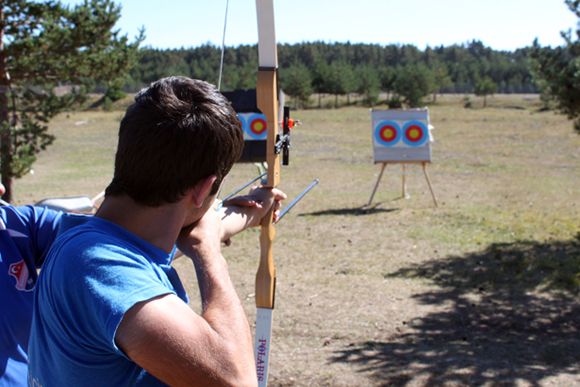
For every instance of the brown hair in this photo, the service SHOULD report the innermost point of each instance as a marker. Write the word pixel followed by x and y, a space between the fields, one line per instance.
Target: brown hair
pixel 178 131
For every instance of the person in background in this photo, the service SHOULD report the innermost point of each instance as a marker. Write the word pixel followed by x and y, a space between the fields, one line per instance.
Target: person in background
pixel 109 309
pixel 26 233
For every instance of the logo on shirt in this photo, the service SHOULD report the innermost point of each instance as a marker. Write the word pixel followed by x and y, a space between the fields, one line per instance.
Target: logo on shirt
pixel 19 270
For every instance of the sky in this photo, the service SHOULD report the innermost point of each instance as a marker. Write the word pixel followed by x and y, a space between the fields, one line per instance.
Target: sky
pixel 499 24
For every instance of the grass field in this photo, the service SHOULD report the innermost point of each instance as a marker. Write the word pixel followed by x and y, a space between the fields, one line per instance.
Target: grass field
pixel 483 290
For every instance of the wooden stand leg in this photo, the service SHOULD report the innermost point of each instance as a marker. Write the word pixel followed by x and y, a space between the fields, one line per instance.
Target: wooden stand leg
pixel 429 184
pixel 377 183
pixel 404 194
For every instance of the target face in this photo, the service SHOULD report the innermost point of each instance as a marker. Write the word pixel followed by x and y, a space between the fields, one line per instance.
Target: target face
pixel 415 133
pixel 387 133
pixel 257 127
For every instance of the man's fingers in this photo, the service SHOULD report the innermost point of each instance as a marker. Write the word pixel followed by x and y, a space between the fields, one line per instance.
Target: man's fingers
pixel 242 201
pixel 278 194
pixel 275 216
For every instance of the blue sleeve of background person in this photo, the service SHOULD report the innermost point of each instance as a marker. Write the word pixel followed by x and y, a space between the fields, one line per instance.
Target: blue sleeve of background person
pixel 39 224
pixel 108 279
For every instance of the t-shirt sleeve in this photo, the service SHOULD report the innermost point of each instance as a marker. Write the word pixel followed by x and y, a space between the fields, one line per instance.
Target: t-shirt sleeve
pixel 40 224
pixel 110 281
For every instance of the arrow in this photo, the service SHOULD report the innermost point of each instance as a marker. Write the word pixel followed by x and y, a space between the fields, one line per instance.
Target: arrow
pixel 238 190
pixel 297 199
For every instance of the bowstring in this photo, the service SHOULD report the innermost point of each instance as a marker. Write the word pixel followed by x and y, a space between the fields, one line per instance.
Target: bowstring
pixel 223 46
pixel 219 84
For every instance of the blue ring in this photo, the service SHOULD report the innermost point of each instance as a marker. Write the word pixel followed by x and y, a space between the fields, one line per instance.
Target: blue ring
pixel 382 124
pixel 243 122
pixel 421 141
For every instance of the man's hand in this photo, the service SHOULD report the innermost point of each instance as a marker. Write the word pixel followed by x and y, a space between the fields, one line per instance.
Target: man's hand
pixel 202 237
pixel 258 202
pixel 248 210
pixel 234 216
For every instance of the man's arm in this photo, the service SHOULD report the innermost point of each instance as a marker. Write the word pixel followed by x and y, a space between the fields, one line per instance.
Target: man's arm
pixel 179 347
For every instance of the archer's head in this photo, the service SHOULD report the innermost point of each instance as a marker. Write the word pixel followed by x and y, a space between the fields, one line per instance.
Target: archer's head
pixel 177 132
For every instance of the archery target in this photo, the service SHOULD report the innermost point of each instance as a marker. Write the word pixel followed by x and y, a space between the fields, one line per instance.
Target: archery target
pixel 415 133
pixel 257 126
pixel 401 135
pixel 387 133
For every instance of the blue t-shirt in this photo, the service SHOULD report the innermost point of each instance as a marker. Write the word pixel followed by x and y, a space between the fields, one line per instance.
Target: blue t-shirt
pixel 26 234
pixel 93 274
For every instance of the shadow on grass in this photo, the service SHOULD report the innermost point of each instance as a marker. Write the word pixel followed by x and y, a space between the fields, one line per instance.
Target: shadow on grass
pixel 355 211
pixel 506 315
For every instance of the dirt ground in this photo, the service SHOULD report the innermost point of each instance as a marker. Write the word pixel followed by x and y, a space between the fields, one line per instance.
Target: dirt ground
pixel 482 290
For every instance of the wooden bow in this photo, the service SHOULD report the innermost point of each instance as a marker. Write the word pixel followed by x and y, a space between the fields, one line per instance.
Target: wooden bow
pixel 267 101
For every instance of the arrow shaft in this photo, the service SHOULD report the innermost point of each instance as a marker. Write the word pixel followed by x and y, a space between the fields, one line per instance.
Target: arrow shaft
pixel 297 199
pixel 237 190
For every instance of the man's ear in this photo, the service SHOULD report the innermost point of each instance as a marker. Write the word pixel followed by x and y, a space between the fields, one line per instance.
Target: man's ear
pixel 202 190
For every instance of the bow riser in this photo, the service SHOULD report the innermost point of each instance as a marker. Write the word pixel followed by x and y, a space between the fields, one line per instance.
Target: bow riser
pixel 267 101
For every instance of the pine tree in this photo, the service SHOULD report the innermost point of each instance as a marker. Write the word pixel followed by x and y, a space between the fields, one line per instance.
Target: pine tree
pixel 440 77
pixel 44 45
pixel 413 82
pixel 369 84
pixel 297 83
pixel 484 87
pixel 557 71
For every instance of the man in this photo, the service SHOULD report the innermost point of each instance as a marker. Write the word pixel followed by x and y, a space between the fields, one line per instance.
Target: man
pixel 109 308
pixel 26 233
pixel 25 236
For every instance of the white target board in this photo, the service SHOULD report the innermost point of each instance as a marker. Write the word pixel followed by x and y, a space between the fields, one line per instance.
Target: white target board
pixel 401 135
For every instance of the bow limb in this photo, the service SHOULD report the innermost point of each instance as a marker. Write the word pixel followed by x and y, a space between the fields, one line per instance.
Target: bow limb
pixel 267 101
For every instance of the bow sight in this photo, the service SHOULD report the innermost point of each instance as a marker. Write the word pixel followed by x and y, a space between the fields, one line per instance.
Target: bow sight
pixel 283 141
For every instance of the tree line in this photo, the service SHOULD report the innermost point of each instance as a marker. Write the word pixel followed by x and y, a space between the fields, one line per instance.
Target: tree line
pixel 405 73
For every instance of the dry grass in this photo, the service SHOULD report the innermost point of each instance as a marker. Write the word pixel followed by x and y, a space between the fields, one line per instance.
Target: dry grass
pixel 482 290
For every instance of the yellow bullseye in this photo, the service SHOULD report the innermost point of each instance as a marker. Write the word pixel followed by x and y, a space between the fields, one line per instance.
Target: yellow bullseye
pixel 258 126
pixel 414 134
pixel 389 134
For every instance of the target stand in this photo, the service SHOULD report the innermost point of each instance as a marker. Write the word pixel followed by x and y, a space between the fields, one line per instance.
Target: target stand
pixel 401 137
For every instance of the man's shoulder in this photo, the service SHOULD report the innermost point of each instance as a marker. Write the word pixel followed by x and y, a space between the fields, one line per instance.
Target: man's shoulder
pixel 77 232
pixel 76 247
pixel 85 240
pixel 91 243
pixel 86 257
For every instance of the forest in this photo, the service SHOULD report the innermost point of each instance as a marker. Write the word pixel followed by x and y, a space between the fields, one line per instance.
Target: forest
pixel 405 73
